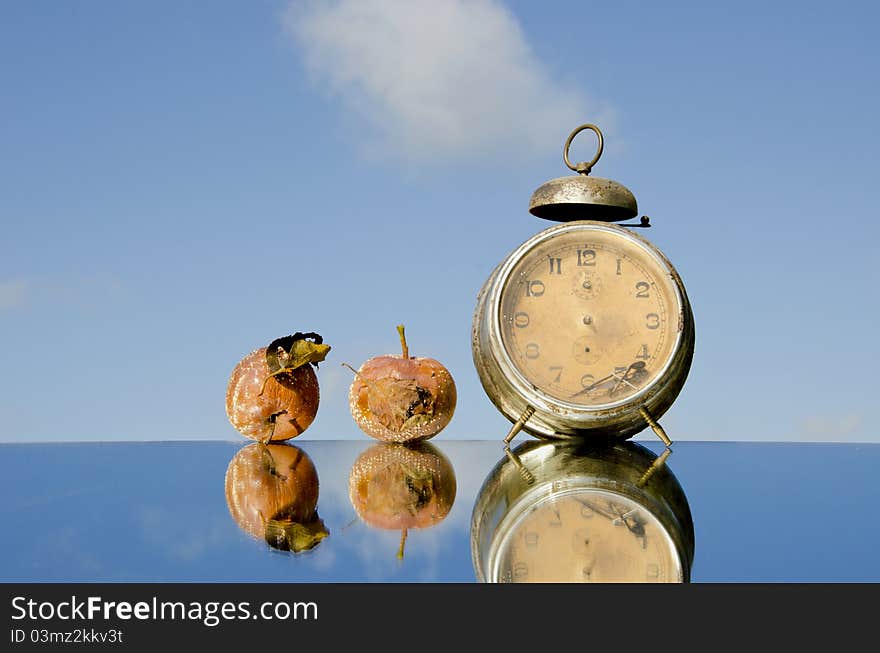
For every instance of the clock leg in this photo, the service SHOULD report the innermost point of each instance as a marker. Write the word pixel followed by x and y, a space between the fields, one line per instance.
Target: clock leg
pixel 659 461
pixel 655 426
pixel 517 426
pixel 527 476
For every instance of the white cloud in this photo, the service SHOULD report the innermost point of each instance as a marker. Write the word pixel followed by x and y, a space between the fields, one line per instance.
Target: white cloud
pixel 12 294
pixel 826 428
pixel 436 80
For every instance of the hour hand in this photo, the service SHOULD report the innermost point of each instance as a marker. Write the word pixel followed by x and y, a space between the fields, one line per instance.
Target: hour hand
pixel 591 386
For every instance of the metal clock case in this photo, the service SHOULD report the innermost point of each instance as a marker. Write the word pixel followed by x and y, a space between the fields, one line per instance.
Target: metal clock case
pixel 567 511
pixel 586 328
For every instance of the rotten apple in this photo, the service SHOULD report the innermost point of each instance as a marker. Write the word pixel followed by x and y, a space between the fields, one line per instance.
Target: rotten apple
pixel 402 398
pixel 273 392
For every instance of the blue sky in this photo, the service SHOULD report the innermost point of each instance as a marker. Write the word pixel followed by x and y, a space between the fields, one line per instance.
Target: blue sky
pixel 183 183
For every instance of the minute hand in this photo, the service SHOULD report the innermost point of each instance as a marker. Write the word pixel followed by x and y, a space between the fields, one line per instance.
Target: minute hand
pixel 592 385
pixel 633 368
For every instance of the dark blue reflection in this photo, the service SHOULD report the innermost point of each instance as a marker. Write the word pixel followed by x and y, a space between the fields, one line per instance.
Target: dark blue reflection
pixel 158 512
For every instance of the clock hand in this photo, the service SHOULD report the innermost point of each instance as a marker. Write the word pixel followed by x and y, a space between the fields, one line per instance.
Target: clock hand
pixel 634 368
pixel 623 516
pixel 597 509
pixel 591 386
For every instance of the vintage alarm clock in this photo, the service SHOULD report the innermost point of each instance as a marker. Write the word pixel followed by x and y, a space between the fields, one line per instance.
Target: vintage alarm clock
pixel 585 329
pixel 582 511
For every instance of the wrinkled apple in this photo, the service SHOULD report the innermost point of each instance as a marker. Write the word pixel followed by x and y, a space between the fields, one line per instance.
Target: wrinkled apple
pixel 402 398
pixel 272 392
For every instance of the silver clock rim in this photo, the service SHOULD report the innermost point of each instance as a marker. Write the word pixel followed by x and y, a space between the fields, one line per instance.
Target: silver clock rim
pixel 536 497
pixel 524 385
pixel 511 392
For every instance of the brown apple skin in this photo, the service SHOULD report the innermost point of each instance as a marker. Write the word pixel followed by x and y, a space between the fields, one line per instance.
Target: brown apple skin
pixel 388 389
pixel 290 400
pixel 270 482
pixel 402 486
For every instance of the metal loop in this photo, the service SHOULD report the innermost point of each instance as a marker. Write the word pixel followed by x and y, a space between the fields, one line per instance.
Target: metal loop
pixel 583 167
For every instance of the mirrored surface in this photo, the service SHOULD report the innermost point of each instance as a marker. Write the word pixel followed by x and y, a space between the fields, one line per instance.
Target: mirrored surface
pixel 582 511
pixel 347 511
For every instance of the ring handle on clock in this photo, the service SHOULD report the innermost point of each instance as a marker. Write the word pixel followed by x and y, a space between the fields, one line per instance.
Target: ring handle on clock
pixel 583 167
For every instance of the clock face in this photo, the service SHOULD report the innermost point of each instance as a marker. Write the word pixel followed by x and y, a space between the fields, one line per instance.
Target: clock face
pixel 586 536
pixel 590 316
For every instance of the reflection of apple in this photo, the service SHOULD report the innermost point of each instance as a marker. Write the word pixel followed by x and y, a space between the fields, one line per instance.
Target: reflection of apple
pixel 272 494
pixel 402 398
pixel 402 486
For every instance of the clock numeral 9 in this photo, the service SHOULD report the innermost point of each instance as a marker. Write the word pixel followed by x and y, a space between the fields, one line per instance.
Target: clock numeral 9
pixel 534 288
pixel 520 570
pixel 652 321
pixel 521 320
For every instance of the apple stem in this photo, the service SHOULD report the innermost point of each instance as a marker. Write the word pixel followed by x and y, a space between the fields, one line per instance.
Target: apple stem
pixel 402 542
pixel 403 341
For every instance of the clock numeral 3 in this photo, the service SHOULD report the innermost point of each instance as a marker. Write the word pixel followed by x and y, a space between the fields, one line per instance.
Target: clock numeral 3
pixel 652 321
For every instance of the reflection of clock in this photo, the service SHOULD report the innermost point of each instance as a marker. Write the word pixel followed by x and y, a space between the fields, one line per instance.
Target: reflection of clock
pixel 586 327
pixel 577 512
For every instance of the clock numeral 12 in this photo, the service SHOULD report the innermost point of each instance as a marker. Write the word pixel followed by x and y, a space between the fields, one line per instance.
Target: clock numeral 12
pixel 586 257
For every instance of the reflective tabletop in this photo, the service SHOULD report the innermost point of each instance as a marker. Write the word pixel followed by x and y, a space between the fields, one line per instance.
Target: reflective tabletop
pixel 456 511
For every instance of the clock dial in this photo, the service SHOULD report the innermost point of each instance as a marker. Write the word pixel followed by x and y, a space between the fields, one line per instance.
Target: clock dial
pixel 587 536
pixel 590 316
